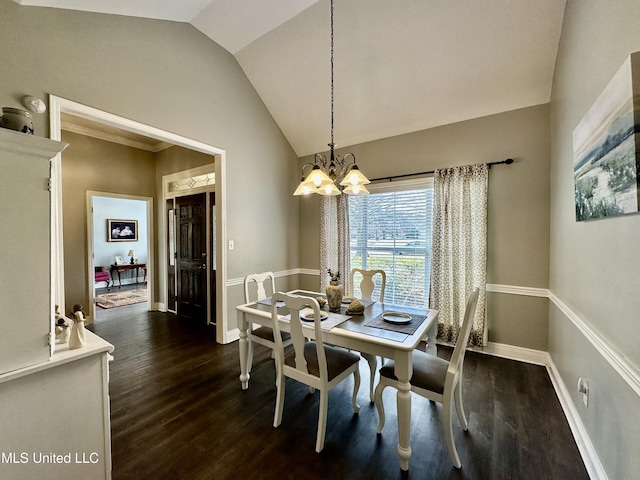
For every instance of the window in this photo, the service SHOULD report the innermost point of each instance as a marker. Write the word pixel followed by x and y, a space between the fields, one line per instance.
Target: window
pixel 390 229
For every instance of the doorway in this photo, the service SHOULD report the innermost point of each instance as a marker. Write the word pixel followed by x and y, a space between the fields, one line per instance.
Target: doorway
pixel 57 106
pixel 123 286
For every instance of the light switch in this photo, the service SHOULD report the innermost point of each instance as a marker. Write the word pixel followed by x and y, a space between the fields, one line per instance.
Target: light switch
pixel 232 245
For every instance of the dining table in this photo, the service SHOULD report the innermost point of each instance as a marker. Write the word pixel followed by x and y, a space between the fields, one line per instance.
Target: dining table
pixel 383 329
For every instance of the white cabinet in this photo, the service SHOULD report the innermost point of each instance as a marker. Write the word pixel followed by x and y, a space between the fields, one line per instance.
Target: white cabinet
pixel 54 407
pixel 55 416
pixel 25 275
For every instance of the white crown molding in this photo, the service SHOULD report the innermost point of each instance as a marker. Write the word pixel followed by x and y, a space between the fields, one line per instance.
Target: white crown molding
pixel 154 147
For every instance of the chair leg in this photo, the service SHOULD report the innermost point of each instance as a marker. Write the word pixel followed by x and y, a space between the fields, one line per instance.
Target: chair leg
pixel 382 384
pixel 447 408
pixel 250 350
pixel 373 366
pixel 460 407
pixel 356 387
pixel 277 363
pixel 280 386
pixel 322 419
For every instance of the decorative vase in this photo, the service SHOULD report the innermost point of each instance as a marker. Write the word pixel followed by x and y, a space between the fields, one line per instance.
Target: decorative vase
pixel 335 292
pixel 16 119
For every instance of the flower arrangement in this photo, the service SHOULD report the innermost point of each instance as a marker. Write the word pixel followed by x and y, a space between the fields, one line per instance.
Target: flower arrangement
pixel 334 274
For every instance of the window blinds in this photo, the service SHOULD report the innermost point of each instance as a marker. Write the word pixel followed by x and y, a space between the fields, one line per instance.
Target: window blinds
pixel 390 229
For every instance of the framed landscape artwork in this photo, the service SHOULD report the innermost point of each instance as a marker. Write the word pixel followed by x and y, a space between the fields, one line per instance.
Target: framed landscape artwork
pixel 122 230
pixel 606 149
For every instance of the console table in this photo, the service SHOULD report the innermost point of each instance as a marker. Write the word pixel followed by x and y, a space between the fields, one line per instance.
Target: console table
pixel 127 266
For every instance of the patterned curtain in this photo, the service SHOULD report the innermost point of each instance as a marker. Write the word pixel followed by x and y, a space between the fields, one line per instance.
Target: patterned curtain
pixel 334 239
pixel 459 249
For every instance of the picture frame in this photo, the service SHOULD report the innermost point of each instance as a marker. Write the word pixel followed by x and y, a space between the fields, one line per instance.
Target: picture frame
pixel 122 230
pixel 606 146
pixel 118 260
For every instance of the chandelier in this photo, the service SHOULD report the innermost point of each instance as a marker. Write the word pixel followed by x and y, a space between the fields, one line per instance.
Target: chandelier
pixel 336 174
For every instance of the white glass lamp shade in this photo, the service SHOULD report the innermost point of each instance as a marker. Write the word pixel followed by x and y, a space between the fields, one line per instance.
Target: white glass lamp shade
pixel 304 189
pixel 356 190
pixel 354 177
pixel 329 190
pixel 317 178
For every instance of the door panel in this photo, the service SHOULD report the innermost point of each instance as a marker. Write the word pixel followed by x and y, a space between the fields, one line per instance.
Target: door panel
pixel 191 261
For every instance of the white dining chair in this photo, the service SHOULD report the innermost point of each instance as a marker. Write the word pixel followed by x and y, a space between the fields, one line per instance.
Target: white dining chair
pixel 313 363
pixel 367 282
pixel 436 379
pixel 259 282
pixel 367 286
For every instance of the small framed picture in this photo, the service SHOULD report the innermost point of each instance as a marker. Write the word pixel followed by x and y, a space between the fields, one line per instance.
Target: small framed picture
pixel 118 260
pixel 122 230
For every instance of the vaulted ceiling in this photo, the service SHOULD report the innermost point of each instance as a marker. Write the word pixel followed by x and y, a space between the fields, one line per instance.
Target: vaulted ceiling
pixel 400 65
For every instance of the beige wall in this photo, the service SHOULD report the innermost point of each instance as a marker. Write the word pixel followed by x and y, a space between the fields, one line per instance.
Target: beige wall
pixel 518 235
pixel 170 76
pixel 594 265
pixel 97 165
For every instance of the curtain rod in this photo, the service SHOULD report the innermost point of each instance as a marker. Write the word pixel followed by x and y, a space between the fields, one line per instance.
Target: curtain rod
pixel 508 161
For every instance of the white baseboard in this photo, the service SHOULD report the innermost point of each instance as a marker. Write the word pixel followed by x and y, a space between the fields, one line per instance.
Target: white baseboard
pixel 512 352
pixel 587 451
pixel 232 335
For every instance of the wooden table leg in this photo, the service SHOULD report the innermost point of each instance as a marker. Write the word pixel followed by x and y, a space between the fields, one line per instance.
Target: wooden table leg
pixel 403 371
pixel 243 349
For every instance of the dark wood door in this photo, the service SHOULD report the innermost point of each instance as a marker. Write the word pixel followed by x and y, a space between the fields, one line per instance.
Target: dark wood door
pixel 191 261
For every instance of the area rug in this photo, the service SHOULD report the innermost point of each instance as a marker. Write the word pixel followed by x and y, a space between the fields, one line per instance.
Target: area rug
pixel 119 299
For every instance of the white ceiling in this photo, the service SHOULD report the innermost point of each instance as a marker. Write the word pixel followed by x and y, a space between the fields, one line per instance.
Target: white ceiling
pixel 400 66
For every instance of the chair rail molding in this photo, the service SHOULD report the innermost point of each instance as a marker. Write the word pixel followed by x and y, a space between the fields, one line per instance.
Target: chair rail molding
pixel 628 371
pixel 517 290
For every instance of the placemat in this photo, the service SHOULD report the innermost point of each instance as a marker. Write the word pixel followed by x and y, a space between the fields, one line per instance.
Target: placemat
pixel 333 320
pixel 409 328
pixel 267 301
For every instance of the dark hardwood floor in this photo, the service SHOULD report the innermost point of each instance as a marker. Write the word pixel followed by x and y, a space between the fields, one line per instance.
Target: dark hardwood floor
pixel 178 412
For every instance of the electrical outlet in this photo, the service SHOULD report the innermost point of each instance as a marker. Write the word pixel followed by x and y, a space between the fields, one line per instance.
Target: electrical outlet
pixel 583 388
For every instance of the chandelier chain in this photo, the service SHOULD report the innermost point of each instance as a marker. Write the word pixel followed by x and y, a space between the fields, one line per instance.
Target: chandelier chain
pixel 334 175
pixel 332 73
